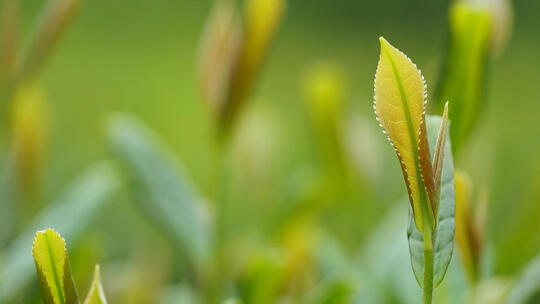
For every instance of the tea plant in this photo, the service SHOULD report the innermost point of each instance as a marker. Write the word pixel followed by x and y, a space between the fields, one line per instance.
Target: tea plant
pixel 54 272
pixel 400 102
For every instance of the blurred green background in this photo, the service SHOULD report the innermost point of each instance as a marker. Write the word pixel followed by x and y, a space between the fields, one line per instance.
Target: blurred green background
pixel 140 57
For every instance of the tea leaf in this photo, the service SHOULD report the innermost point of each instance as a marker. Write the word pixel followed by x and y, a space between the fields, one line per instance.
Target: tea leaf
pixel 438 156
pixel 53 20
pixel 463 74
pixel 71 213
pixel 96 295
pixel 337 290
pixel 444 235
pixel 218 52
pixel 160 186
pixel 260 23
pixel 400 103
pixel 527 288
pixel 53 268
pixel 466 236
pixel 9 39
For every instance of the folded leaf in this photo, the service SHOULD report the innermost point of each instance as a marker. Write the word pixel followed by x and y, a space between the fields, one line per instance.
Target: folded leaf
pixel 438 156
pixel 53 268
pixel 160 186
pixel 70 213
pixel 400 103
pixel 444 235
pixel 96 295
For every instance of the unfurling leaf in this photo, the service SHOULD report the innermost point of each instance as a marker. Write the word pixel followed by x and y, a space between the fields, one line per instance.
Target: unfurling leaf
pixel 96 295
pixel 53 268
pixel 400 104
pixel 444 235
pixel 438 155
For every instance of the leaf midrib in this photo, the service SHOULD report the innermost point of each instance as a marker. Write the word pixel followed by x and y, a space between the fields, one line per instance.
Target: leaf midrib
pixel 55 273
pixel 412 136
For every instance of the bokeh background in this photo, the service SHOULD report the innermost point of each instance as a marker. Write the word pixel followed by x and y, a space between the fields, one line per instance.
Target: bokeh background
pixel 140 57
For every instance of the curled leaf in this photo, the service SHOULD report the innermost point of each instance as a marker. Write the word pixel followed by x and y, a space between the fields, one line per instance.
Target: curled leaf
pixel 400 104
pixel 96 295
pixel 53 268
pixel 438 155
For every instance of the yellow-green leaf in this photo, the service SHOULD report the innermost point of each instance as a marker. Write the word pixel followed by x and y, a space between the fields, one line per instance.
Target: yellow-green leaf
pixel 400 102
pixel 463 77
pixel 96 295
pixel 466 236
pixel 53 268
pixel 261 21
pixel 218 51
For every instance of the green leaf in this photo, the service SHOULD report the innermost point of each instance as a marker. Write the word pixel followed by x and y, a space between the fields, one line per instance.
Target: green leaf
pixel 53 268
pixel 160 186
pixel 527 288
pixel 336 290
pixel 71 213
pixel 463 75
pixel 444 235
pixel 96 295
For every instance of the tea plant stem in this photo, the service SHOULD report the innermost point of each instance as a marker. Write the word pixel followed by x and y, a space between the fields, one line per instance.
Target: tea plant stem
pixel 428 265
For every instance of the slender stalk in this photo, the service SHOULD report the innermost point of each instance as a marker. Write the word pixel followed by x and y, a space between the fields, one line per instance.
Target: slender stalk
pixel 427 296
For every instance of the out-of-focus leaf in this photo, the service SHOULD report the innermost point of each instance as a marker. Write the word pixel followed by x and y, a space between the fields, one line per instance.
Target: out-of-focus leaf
pixel 96 294
pixel 492 291
pixel 53 20
pixel 233 301
pixel 218 52
pixel 53 268
pixel 9 39
pixel 466 237
pixel 261 21
pixel 526 290
pixel 338 290
pixel 160 186
pixel 463 75
pixel 444 236
pixel 70 214
pixel 400 103
pixel 30 132
pixel 264 274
